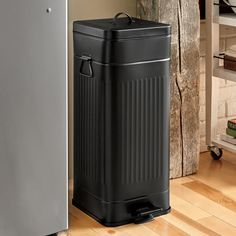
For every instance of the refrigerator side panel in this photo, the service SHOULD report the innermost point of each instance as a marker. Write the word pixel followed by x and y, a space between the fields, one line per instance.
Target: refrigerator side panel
pixel 33 117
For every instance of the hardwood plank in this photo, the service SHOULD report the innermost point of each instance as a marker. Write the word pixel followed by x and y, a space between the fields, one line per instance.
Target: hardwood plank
pixel 204 203
pixel 179 223
pixel 124 230
pixel 218 226
pixel 164 228
pixel 80 227
pixel 63 234
pixel 212 194
pixel 185 208
pixel 218 174
pixel 193 223
pixel 231 194
pixel 141 231
pixel 182 180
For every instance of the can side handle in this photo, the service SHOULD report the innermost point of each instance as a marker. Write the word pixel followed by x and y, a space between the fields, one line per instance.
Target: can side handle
pixel 89 60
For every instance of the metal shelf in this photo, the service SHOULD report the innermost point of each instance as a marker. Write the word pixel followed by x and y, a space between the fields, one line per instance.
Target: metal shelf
pixel 225 74
pixel 226 19
pixel 220 71
pixel 225 145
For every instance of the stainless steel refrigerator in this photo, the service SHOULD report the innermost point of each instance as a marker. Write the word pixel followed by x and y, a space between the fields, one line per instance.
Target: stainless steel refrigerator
pixel 33 117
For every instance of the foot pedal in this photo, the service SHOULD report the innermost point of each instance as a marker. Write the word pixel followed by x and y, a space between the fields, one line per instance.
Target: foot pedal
pixel 145 214
pixel 143 219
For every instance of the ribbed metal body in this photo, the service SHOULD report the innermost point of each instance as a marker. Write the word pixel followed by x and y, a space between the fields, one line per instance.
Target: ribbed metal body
pixel 89 126
pixel 141 128
pixel 121 138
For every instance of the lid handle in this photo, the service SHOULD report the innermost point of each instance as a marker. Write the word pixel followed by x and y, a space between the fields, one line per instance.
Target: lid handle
pixel 131 20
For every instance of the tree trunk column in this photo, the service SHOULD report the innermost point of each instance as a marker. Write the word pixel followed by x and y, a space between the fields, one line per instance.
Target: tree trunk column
pixel 184 17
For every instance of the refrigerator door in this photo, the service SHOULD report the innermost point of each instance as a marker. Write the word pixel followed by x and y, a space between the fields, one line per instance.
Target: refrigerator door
pixel 33 117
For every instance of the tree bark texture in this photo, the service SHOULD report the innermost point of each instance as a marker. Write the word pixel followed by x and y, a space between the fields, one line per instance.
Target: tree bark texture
pixel 184 17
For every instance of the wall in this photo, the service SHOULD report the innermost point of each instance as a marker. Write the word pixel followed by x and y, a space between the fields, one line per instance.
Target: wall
pixel 227 96
pixel 89 9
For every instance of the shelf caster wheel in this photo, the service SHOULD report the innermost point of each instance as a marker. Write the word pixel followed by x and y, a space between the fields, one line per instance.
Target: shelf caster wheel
pixel 216 152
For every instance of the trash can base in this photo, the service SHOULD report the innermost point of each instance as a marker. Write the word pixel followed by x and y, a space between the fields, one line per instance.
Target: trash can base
pixel 112 214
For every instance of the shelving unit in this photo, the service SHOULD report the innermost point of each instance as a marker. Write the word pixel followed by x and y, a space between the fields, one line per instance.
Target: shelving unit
pixel 214 69
pixel 225 145
pixel 225 19
pixel 222 73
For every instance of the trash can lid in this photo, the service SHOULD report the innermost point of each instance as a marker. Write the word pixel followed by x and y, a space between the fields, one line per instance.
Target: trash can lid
pixel 121 28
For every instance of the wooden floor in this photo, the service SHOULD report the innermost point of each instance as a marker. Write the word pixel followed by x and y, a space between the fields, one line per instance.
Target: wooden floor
pixel 202 204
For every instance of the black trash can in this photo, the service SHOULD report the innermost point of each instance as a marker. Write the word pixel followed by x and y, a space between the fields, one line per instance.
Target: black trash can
pixel 121 119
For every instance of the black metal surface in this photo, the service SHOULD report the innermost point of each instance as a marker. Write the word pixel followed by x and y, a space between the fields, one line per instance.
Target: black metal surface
pixel 121 28
pixel 121 127
pixel 87 59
